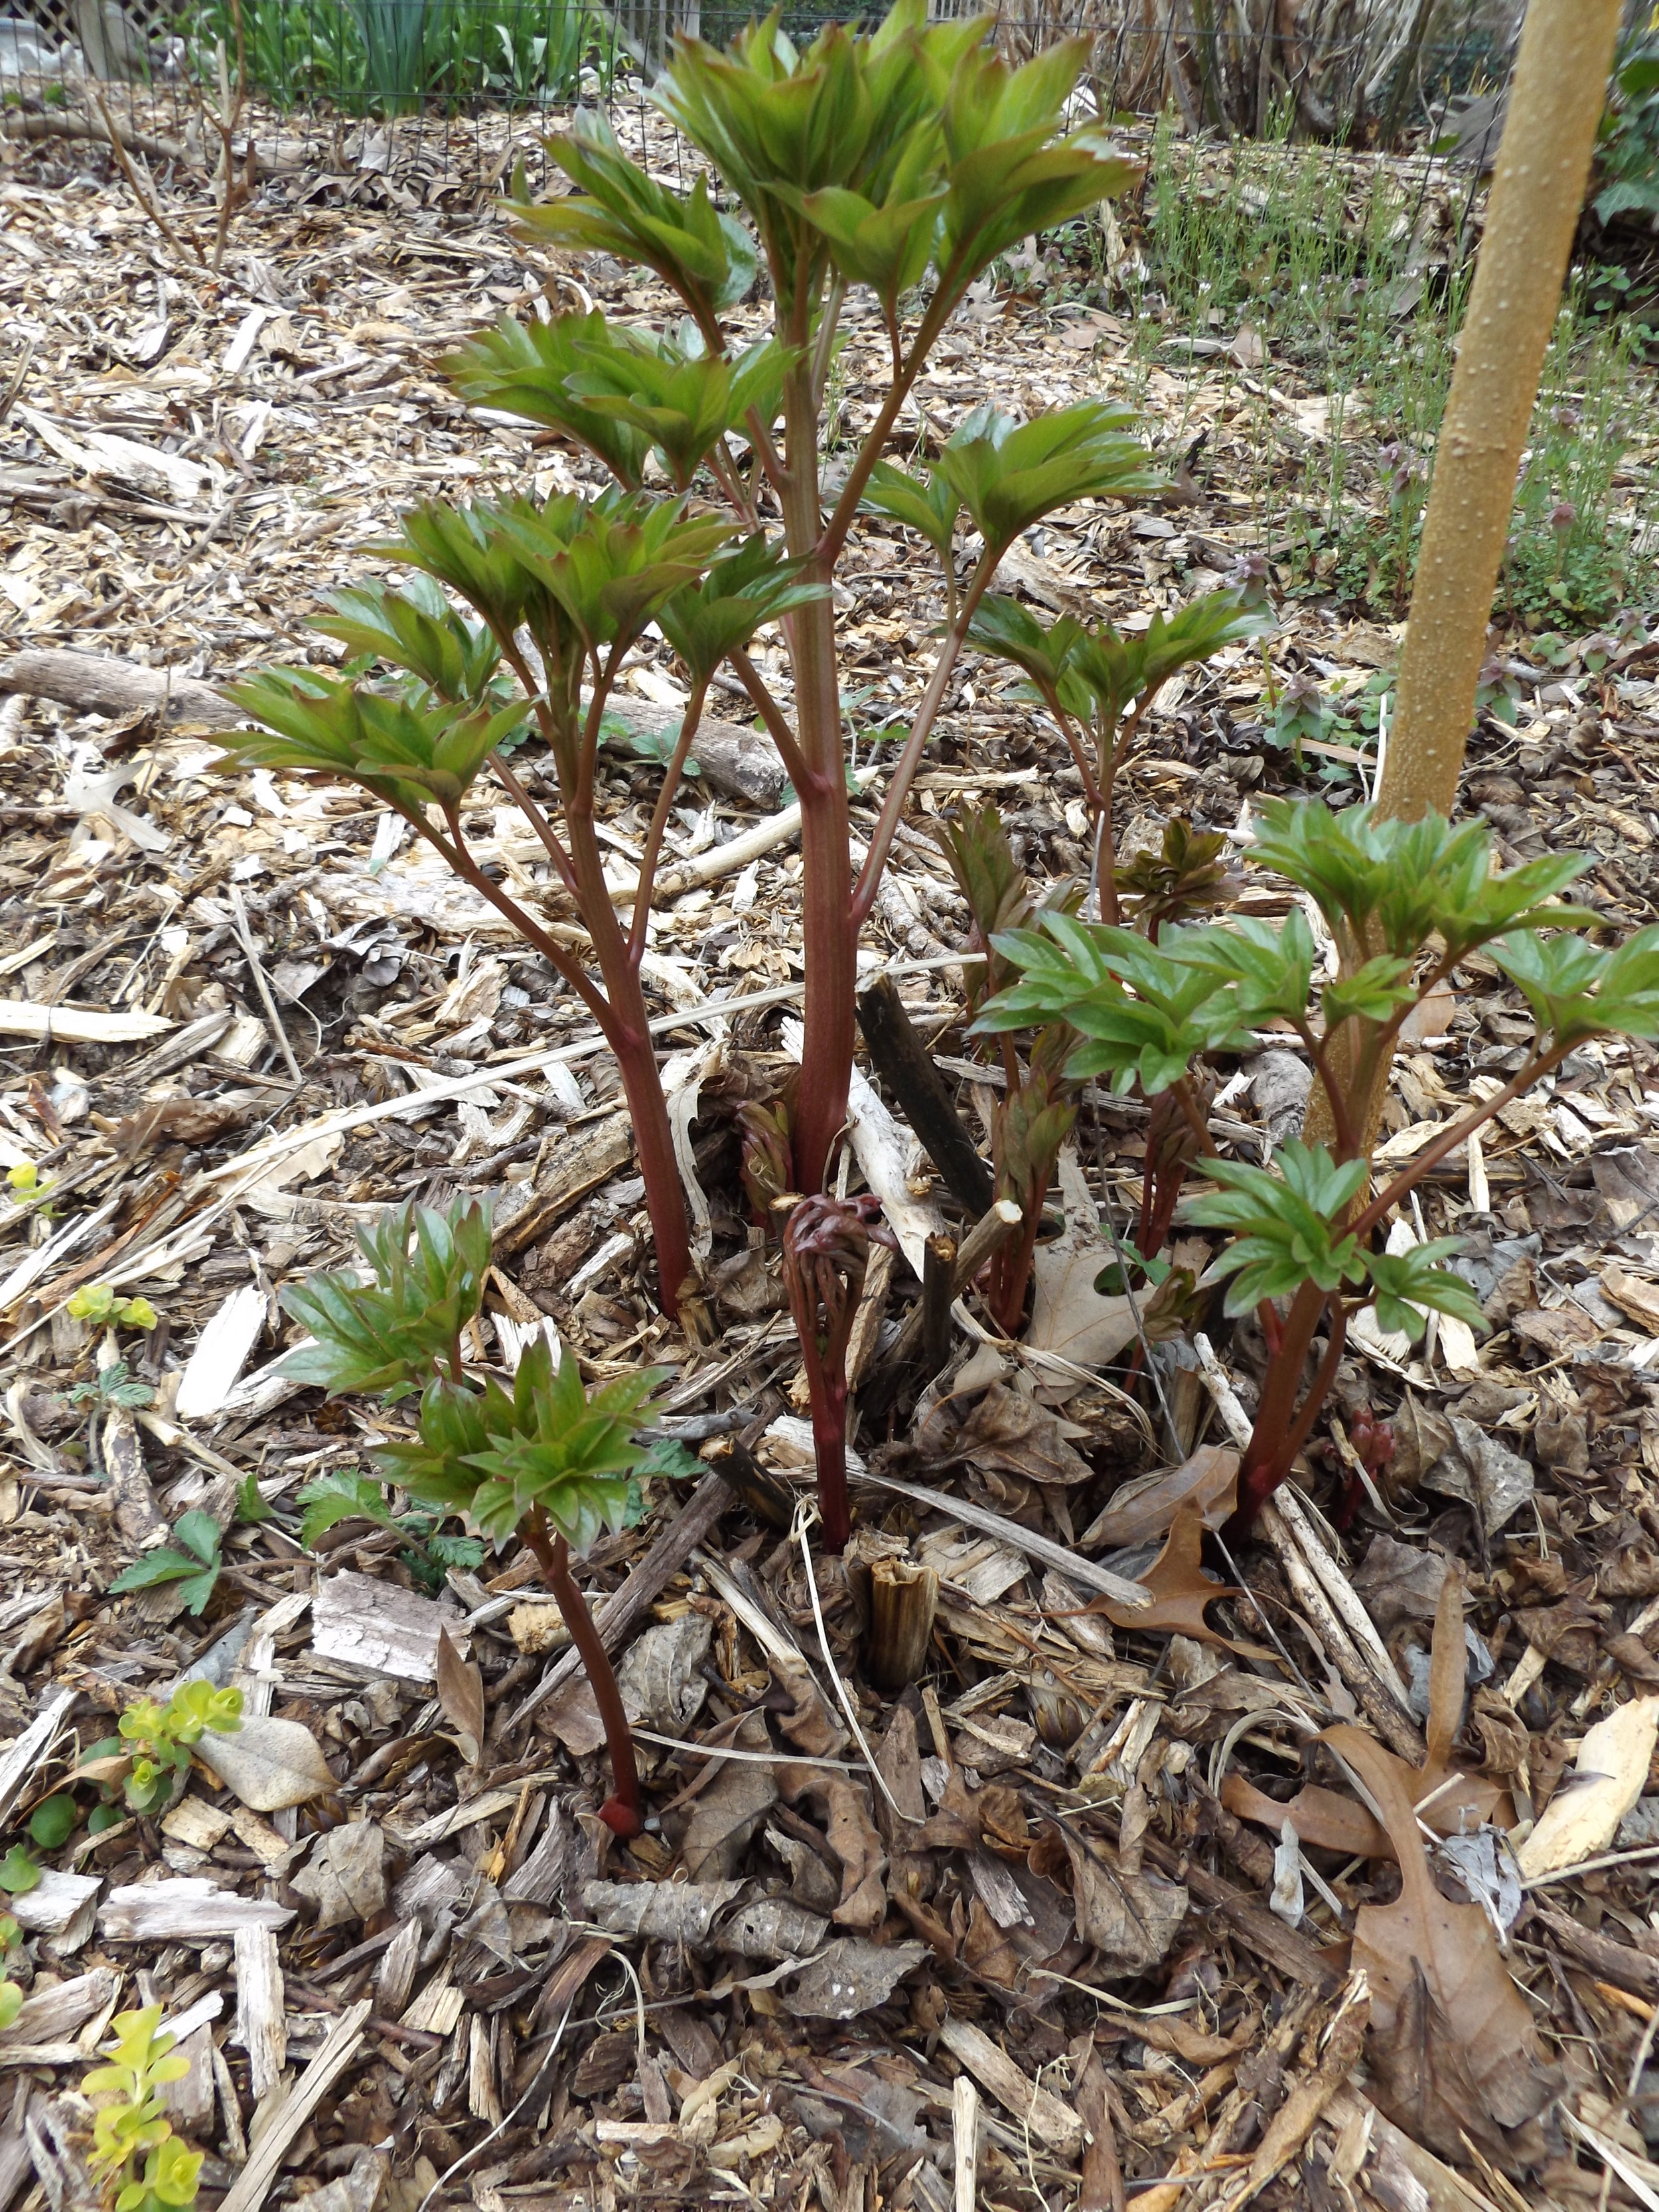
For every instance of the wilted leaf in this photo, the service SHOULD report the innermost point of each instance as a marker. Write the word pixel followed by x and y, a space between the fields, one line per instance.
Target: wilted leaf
pixel 1131 1919
pixel 669 1913
pixel 1206 1483
pixel 268 1763
pixel 1483 1473
pixel 1018 1436
pixel 460 1692
pixel 729 1811
pixel 851 1836
pixel 345 1878
pixel 1613 1762
pixel 1452 1950
pixel 773 1927
pixel 849 1976
pixel 660 1677
pixel 1181 1588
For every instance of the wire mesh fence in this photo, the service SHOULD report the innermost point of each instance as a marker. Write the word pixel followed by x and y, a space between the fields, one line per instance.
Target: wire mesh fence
pixel 1350 71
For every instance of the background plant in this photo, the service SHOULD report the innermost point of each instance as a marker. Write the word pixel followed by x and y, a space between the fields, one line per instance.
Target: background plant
pixel 1405 902
pixel 1269 235
pixel 543 1461
pixel 393 57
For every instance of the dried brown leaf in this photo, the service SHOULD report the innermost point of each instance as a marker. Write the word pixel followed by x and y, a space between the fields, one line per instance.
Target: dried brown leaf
pixel 460 1692
pixel 1069 1316
pixel 1206 1483
pixel 1454 1949
pixel 1131 1919
pixel 1181 1588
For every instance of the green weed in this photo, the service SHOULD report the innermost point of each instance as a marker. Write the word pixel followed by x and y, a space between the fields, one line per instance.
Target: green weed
pixel 1330 265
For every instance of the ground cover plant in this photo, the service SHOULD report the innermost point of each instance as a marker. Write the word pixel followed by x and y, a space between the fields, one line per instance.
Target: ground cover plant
pixel 1353 273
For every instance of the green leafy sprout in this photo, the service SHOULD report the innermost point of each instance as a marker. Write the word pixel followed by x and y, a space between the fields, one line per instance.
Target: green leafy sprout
pixel 347 1494
pixel 1404 902
pixel 141 1767
pixel 545 1460
pixel 193 1560
pixel 99 1304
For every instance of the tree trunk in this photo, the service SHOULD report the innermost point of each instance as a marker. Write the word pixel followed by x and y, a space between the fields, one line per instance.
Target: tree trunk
pixel 1556 101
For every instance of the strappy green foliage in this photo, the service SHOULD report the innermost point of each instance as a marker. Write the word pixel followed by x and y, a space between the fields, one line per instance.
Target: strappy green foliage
pixel 491 1454
pixel 416 629
pixel 746 585
pixel 385 1336
pixel 1404 882
pixel 623 394
pixel 1098 674
pixel 1287 1230
pixel 705 253
pixel 1149 1010
pixel 497 1455
pixel 407 755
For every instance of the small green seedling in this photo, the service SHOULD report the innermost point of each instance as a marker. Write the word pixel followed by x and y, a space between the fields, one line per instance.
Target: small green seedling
pixel 114 1385
pixel 19 1874
pixel 98 1304
pixel 52 1821
pixel 139 2163
pixel 26 1183
pixel 141 1767
pixel 194 1565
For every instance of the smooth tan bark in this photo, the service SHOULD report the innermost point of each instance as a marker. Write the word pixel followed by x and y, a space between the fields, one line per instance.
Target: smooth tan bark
pixel 1556 100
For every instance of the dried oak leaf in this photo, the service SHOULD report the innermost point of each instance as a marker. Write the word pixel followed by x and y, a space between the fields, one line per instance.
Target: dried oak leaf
pixel 1069 1316
pixel 1570 1633
pixel 1323 1818
pixel 460 1693
pixel 181 1120
pixel 1181 1589
pixel 1452 1949
pixel 1633 1572
pixel 346 1876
